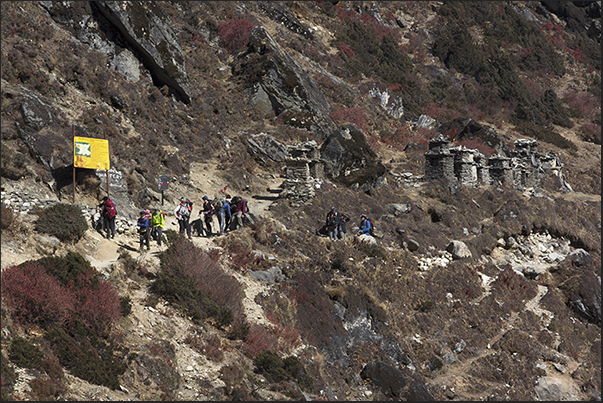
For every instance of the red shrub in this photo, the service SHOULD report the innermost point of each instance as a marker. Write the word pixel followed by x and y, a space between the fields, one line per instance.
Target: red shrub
pixel 478 145
pixel 234 34
pixel 36 297
pixel 344 14
pixel 533 86
pixel 584 104
pixel 260 339
pixel 346 50
pixel 98 303
pixel 350 115
pixel 591 132
pixel 578 54
pixel 288 337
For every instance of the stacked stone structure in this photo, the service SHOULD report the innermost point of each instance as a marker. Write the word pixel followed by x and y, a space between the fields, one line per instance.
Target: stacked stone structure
pixel 439 162
pixel 302 171
pixel 522 169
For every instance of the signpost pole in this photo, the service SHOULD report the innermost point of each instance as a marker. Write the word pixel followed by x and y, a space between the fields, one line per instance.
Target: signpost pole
pixel 107 171
pixel 73 130
pixel 163 184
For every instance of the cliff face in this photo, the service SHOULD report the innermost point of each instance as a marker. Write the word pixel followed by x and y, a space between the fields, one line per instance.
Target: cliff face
pixel 469 132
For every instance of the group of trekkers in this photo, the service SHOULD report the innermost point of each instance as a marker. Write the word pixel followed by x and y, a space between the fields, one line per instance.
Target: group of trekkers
pixel 335 226
pixel 228 211
pixel 150 226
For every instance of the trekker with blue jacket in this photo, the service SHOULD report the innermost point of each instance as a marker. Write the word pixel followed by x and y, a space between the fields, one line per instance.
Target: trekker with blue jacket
pixel 144 230
pixel 365 226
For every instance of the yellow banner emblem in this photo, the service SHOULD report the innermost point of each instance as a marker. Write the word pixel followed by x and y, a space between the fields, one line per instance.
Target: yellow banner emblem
pixel 90 153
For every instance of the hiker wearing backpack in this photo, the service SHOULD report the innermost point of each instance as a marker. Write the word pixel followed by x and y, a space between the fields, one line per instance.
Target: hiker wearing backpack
pixel 239 208
pixel 218 204
pixel 365 226
pixel 183 214
pixel 227 213
pixel 109 212
pixel 157 223
pixel 144 231
pixel 365 230
pixel 207 210
pixel 332 223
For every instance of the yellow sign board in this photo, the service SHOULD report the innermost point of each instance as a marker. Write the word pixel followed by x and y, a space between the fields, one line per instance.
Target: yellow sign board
pixel 90 153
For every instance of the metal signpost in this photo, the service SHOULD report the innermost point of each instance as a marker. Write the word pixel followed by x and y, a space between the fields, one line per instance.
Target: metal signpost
pixel 163 184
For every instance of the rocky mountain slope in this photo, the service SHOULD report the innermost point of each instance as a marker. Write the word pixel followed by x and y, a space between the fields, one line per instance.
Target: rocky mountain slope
pixel 471 289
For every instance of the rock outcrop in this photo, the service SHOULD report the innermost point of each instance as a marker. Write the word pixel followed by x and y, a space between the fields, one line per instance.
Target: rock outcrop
pixel 278 83
pixel 349 159
pixel 149 33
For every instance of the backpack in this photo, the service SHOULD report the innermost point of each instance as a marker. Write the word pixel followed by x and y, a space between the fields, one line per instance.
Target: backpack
pixel 218 203
pixel 372 227
pixel 184 211
pixel 332 220
pixel 110 210
pixel 246 205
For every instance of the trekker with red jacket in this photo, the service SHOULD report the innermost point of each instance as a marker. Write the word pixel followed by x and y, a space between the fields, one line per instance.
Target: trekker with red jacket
pixel 109 212
pixel 238 208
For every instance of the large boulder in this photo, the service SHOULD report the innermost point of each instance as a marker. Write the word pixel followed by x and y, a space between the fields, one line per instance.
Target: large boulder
pixel 576 277
pixel 459 250
pixel 389 379
pixel 394 383
pixel 277 82
pixel 349 159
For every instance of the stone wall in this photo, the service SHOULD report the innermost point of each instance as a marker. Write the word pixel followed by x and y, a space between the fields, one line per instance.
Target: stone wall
pixel 522 169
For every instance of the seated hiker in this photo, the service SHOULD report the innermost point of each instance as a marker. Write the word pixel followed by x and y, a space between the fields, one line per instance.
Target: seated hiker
pixel 365 230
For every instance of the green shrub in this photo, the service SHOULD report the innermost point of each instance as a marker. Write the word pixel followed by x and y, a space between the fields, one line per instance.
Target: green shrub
pixel 64 221
pixel 553 109
pixel 339 261
pixel 192 279
pixel 68 268
pixel 86 355
pixel 276 369
pixel 25 354
pixel 9 378
pixel 373 250
pixel 125 304
pixel 239 329
pixel 180 291
pixel 271 366
pixel 7 216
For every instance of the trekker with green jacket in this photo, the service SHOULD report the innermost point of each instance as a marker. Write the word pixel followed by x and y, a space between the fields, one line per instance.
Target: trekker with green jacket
pixel 157 222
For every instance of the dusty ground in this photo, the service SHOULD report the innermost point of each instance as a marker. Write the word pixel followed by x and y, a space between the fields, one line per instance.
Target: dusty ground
pixel 147 323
